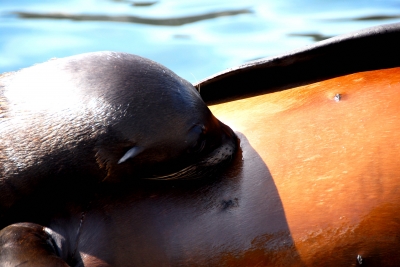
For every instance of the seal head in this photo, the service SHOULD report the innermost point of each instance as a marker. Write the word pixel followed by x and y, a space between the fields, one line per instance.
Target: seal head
pixel 108 116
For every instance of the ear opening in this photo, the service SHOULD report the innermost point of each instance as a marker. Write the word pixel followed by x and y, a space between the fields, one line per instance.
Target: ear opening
pixel 131 153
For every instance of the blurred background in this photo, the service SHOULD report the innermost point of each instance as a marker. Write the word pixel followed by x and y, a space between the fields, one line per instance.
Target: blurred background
pixel 193 38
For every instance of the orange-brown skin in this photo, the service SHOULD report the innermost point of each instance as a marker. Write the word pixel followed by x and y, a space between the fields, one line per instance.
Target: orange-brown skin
pixel 335 164
pixel 316 183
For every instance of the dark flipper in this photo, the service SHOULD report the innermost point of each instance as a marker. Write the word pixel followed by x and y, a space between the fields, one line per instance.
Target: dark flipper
pixel 29 244
pixel 367 49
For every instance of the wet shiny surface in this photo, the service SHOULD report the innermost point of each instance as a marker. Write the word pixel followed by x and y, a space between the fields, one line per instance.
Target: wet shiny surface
pixel 334 163
pixel 237 218
pixel 315 183
pixel 195 39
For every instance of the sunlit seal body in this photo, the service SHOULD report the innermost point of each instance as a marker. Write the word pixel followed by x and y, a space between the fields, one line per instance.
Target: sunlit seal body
pixel 340 167
pixel 103 116
pixel 315 182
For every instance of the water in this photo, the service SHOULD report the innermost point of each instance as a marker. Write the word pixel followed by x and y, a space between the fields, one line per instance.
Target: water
pixel 193 38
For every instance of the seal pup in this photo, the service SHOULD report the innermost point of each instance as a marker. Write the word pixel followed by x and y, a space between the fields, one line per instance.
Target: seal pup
pixel 103 116
pixel 324 150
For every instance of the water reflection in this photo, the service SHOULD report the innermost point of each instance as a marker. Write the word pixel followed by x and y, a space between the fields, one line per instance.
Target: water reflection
pixel 176 21
pixel 377 17
pixel 194 38
pixel 134 3
pixel 315 36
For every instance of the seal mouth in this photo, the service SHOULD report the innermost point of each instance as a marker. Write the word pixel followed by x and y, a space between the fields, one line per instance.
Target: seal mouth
pixel 208 165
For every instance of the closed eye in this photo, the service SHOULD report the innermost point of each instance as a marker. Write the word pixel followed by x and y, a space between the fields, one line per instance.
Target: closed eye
pixel 201 140
pixel 199 146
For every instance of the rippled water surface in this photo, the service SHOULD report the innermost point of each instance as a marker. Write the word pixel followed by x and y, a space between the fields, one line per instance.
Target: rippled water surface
pixel 193 38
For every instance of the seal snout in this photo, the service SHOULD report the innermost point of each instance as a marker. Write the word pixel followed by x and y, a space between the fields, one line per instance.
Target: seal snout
pixel 228 133
pixel 229 143
pixel 223 143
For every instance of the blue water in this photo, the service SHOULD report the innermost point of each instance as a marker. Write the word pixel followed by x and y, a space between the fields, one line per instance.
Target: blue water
pixel 193 38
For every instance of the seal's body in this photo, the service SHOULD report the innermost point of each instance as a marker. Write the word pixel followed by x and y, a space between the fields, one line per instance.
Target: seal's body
pixel 331 148
pixel 315 182
pixel 320 178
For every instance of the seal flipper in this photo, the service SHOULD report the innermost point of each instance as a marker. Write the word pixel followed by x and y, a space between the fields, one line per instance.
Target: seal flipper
pixel 30 244
pixel 131 153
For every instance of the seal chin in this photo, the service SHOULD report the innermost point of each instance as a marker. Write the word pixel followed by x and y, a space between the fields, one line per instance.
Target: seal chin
pixel 208 165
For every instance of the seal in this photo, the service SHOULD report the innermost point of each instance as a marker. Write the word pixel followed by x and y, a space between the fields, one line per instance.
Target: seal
pixel 340 167
pixel 103 116
pixel 326 149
